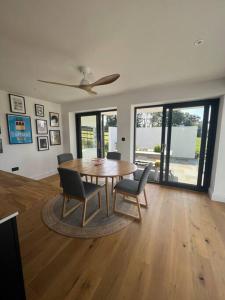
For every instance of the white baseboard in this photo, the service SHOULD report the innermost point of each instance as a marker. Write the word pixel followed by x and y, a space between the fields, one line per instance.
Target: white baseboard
pixel 44 175
pixel 216 197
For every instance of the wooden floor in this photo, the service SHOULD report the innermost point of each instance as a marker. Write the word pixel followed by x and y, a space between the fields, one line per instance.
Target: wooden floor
pixel 178 252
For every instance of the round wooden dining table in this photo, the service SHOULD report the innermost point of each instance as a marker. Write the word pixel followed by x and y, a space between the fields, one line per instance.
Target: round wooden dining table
pixel 101 168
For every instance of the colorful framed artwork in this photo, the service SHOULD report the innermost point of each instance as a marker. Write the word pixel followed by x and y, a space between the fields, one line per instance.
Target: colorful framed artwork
pixel 39 110
pixel 19 129
pixel 55 138
pixel 54 119
pixel 42 142
pixel 41 126
pixel 1 147
pixel 17 104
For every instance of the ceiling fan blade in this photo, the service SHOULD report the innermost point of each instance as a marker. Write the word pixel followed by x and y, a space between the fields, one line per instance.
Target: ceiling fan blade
pixel 87 88
pixel 105 80
pixel 58 83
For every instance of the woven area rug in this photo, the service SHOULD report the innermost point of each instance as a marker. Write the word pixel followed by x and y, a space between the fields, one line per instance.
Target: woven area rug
pixel 99 226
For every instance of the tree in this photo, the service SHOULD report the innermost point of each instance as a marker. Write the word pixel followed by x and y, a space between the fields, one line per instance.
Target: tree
pixel 179 118
pixel 111 121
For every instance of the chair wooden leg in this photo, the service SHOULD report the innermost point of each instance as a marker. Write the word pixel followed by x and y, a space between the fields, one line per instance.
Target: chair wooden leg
pixel 99 199
pixel 112 185
pixel 145 196
pixel 137 203
pixel 84 213
pixel 96 180
pixel 139 208
pixel 86 178
pixel 91 179
pixel 114 201
pixel 64 205
pixel 66 212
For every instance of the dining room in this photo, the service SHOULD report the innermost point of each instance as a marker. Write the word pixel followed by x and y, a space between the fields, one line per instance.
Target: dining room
pixel 112 140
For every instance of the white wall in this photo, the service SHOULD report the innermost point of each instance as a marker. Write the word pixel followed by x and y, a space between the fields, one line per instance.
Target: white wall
pixel 31 162
pixel 217 187
pixel 112 138
pixel 183 140
pixel 125 103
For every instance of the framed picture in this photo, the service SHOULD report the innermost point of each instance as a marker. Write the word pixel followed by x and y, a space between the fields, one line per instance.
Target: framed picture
pixel 1 147
pixel 55 138
pixel 39 110
pixel 41 126
pixel 54 119
pixel 19 129
pixel 42 142
pixel 17 104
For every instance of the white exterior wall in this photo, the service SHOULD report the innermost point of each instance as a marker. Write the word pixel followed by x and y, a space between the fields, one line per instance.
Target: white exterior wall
pixel 183 140
pixel 112 138
pixel 31 162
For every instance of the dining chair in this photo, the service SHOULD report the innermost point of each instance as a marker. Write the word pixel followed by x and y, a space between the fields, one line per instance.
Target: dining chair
pixel 75 188
pixel 67 157
pixel 116 156
pixel 133 189
pixel 64 157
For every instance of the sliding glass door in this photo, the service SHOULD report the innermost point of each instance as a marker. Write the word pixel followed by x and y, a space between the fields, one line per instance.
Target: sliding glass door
pixel 148 135
pixel 187 132
pixel 96 133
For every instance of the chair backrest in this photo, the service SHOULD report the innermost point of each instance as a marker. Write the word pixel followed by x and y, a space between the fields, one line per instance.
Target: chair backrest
pixel 114 155
pixel 144 178
pixel 64 157
pixel 71 183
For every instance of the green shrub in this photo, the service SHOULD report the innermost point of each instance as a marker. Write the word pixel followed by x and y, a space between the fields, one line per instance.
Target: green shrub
pixel 157 148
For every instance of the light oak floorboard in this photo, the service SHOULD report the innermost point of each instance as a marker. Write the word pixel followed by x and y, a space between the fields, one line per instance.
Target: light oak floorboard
pixel 177 252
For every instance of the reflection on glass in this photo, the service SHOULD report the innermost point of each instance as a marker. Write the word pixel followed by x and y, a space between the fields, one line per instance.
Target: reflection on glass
pixel 186 135
pixel 109 131
pixel 88 137
pixel 148 139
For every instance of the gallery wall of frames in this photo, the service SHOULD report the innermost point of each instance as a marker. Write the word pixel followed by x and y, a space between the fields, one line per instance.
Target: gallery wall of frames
pixel 29 125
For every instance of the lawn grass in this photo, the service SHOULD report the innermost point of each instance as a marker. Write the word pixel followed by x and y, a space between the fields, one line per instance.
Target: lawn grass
pixel 198 145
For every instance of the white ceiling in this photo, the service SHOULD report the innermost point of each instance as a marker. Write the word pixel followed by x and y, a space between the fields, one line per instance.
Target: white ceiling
pixel 148 42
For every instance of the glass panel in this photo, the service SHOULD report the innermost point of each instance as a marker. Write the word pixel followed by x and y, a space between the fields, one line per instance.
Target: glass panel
pixel 165 162
pixel 186 133
pixel 89 136
pixel 207 138
pixel 109 131
pixel 148 139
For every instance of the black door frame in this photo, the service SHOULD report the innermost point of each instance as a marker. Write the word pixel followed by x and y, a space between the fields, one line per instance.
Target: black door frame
pixel 99 131
pixel 207 144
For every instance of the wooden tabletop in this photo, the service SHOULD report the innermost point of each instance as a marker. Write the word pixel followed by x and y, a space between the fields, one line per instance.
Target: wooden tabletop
pixel 107 168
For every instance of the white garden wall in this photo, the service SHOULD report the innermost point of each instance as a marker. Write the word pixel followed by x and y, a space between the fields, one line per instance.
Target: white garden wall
pixel 183 140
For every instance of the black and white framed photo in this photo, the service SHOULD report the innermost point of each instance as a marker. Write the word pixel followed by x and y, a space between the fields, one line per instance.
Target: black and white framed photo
pixel 17 104
pixel 41 126
pixel 39 110
pixel 54 119
pixel 55 138
pixel 1 147
pixel 42 142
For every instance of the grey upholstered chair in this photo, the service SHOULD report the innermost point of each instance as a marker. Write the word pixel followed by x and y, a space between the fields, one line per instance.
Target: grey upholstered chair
pixel 132 188
pixel 116 156
pixel 74 187
pixel 64 157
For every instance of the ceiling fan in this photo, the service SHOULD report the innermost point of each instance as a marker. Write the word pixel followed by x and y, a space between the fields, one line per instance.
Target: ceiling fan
pixel 85 84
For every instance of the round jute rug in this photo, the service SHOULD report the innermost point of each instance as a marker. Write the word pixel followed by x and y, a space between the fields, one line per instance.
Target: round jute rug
pixel 99 226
